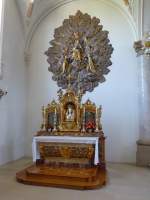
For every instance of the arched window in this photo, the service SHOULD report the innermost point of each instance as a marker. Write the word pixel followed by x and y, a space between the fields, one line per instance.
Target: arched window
pixel 1 32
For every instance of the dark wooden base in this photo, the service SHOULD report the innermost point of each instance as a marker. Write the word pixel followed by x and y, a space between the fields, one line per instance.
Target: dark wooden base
pixel 77 178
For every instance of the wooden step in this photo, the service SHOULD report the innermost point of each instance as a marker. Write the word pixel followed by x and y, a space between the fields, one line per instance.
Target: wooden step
pixel 63 177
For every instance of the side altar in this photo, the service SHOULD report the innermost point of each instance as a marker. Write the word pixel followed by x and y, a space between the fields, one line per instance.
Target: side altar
pixel 69 149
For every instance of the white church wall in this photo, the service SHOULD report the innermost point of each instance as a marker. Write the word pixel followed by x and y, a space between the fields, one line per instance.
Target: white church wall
pixel 145 81
pixel 12 106
pixel 118 95
pixel 146 25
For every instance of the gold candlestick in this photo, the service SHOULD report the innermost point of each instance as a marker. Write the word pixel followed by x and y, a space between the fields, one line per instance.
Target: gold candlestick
pixel 43 125
pixel 83 122
pixel 55 121
pixel 100 113
pixel 97 120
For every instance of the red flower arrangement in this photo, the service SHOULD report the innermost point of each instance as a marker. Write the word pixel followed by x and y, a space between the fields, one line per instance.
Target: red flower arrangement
pixel 90 125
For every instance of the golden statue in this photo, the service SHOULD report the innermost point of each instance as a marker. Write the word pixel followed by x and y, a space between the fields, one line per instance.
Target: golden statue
pixel 70 115
pixel 76 55
pixel 90 65
pixel 65 65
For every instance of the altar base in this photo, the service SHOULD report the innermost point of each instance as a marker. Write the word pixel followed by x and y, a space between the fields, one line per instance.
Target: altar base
pixel 75 178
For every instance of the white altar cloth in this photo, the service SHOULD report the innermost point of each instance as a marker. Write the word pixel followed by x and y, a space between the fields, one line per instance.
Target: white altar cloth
pixel 65 139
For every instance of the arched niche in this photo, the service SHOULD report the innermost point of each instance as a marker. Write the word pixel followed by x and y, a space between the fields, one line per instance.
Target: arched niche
pixel 118 95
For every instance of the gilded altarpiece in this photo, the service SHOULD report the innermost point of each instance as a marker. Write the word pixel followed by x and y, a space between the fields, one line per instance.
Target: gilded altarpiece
pixel 69 150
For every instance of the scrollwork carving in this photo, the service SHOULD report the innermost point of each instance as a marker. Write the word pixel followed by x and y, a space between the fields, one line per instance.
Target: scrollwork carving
pixel 80 48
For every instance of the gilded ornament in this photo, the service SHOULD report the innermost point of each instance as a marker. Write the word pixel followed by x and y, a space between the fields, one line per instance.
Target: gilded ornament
pixel 80 47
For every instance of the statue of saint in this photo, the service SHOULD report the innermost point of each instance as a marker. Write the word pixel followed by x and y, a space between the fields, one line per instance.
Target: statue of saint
pixel 65 65
pixel 76 55
pixel 70 115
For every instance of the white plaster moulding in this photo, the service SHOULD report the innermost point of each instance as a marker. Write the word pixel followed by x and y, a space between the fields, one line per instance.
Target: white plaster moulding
pixel 141 18
pixel 1 38
pixel 21 18
pixel 50 9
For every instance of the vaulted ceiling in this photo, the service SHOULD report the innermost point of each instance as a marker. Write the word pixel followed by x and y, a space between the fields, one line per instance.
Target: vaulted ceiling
pixel 41 8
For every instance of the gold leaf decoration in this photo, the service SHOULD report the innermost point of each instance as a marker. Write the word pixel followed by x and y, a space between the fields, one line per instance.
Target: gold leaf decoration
pixel 81 51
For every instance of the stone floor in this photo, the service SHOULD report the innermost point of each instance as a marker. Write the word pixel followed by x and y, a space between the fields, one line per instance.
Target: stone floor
pixel 125 182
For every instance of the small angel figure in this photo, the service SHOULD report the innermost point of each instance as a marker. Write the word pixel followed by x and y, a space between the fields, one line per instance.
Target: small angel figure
pixel 90 65
pixel 65 65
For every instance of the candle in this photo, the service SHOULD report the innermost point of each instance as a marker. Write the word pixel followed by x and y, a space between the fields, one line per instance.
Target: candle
pixel 96 116
pixel 84 110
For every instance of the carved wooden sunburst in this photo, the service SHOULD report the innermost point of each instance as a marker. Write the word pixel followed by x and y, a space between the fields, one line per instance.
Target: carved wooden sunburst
pixel 80 53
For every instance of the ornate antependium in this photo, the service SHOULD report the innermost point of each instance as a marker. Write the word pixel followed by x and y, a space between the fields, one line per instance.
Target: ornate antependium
pixel 69 150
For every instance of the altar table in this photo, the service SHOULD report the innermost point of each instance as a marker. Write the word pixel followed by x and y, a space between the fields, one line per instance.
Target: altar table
pixel 65 139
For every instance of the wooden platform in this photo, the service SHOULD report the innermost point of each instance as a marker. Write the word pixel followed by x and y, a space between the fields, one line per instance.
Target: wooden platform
pixel 77 178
